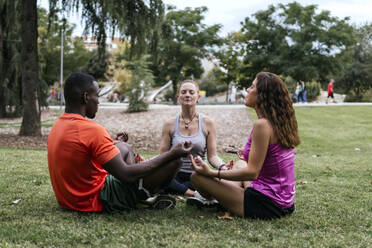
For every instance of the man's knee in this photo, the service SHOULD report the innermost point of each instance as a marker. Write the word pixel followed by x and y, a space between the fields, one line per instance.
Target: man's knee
pixel 123 147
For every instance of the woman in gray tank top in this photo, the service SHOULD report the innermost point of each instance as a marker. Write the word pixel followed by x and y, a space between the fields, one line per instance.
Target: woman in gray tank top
pixel 190 126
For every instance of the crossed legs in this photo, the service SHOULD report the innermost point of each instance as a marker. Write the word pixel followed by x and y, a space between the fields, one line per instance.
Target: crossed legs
pixel 230 194
pixel 160 178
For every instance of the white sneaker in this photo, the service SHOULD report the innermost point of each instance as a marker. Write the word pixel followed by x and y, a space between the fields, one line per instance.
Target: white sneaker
pixel 200 201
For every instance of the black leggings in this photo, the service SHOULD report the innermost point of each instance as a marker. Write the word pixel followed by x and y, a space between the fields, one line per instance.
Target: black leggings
pixel 181 183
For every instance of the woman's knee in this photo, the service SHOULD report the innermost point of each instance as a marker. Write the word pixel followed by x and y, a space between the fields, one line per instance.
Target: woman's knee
pixel 195 178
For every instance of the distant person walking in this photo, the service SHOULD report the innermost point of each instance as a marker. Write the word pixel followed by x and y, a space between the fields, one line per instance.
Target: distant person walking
pixel 330 90
pixel 303 91
pixel 299 91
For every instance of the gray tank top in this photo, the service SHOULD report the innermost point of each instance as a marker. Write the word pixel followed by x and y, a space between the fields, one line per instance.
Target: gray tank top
pixel 198 140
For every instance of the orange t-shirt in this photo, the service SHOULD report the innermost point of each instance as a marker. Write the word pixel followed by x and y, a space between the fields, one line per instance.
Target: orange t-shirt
pixel 77 148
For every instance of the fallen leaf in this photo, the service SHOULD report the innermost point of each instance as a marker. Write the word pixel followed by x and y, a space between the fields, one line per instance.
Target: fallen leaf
pixel 225 217
pixel 299 182
pixel 181 198
pixel 16 201
pixel 201 217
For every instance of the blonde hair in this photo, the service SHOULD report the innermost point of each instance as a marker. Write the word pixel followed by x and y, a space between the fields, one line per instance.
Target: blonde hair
pixel 185 82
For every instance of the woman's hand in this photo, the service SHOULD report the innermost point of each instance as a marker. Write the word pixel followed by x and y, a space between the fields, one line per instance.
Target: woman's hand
pixel 228 166
pixel 203 169
pixel 241 154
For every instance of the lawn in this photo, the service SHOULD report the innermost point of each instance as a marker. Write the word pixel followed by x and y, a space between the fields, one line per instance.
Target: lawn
pixel 333 201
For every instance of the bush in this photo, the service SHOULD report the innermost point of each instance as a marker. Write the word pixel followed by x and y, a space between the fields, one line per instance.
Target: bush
pixel 290 83
pixel 211 85
pixel 312 90
pixel 365 97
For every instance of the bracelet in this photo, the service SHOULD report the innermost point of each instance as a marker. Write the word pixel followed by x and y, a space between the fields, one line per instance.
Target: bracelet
pixel 219 171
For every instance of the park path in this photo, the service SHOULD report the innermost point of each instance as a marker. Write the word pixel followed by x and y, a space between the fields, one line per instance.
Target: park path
pixel 233 124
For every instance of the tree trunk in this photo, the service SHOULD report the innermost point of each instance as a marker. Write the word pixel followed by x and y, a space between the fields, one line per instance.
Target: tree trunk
pixel 174 87
pixel 2 86
pixel 30 70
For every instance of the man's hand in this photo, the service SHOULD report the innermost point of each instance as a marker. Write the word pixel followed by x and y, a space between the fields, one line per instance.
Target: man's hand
pixel 182 149
pixel 122 136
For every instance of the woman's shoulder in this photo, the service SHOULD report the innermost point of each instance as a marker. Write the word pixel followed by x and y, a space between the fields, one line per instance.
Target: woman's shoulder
pixel 262 124
pixel 208 122
pixel 169 124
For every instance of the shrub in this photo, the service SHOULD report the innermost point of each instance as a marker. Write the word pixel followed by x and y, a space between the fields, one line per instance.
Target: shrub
pixel 312 90
pixel 365 97
pixel 211 85
pixel 290 83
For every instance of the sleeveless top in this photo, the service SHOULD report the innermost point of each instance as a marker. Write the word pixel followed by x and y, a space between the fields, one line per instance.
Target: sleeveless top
pixel 276 179
pixel 198 140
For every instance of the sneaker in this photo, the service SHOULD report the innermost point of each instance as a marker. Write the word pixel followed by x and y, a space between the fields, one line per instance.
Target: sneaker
pixel 199 201
pixel 160 202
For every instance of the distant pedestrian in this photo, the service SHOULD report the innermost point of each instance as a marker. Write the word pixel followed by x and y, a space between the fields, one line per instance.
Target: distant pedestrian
pixel 115 97
pixel 303 91
pixel 330 90
pixel 299 91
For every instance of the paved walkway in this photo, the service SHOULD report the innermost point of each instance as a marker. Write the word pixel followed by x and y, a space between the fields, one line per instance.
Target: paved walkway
pixel 221 106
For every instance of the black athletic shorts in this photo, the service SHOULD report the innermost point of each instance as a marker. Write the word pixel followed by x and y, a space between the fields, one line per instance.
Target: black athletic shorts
pixel 259 206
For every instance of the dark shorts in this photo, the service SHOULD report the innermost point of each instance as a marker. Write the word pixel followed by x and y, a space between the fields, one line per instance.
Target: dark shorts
pixel 117 196
pixel 259 206
pixel 330 95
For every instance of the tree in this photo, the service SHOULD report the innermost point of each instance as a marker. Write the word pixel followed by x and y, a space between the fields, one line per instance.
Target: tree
pixel 75 57
pixel 30 70
pixel 294 40
pixel 230 61
pixel 10 50
pixel 185 41
pixel 133 19
pixel 357 76
pixel 140 80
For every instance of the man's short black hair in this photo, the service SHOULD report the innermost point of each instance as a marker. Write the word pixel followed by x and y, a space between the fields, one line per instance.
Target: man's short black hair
pixel 76 84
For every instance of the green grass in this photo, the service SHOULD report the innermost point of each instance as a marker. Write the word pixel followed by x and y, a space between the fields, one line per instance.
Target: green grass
pixel 333 201
pixel 46 124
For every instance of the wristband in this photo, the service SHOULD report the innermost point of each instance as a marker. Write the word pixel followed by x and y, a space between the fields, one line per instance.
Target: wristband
pixel 219 171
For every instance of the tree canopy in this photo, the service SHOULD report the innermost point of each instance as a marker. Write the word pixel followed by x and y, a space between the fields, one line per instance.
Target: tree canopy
pixel 185 41
pixel 294 40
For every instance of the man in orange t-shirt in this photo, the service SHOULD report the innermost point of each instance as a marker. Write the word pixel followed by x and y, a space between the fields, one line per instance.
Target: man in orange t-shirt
pixel 89 172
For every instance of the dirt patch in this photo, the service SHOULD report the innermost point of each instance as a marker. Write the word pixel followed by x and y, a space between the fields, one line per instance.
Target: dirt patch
pixel 233 127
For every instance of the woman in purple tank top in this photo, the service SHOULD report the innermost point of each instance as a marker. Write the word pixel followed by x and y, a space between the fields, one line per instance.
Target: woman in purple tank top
pixel 262 183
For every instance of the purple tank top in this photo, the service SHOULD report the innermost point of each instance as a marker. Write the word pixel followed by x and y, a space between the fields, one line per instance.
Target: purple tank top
pixel 276 178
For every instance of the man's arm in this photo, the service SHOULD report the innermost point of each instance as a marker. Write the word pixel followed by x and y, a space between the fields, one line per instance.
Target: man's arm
pixel 130 173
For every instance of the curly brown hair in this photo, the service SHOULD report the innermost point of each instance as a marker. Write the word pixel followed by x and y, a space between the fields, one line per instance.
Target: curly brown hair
pixel 275 104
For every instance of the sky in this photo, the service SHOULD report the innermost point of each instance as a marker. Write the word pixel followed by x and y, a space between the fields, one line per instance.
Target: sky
pixel 230 13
